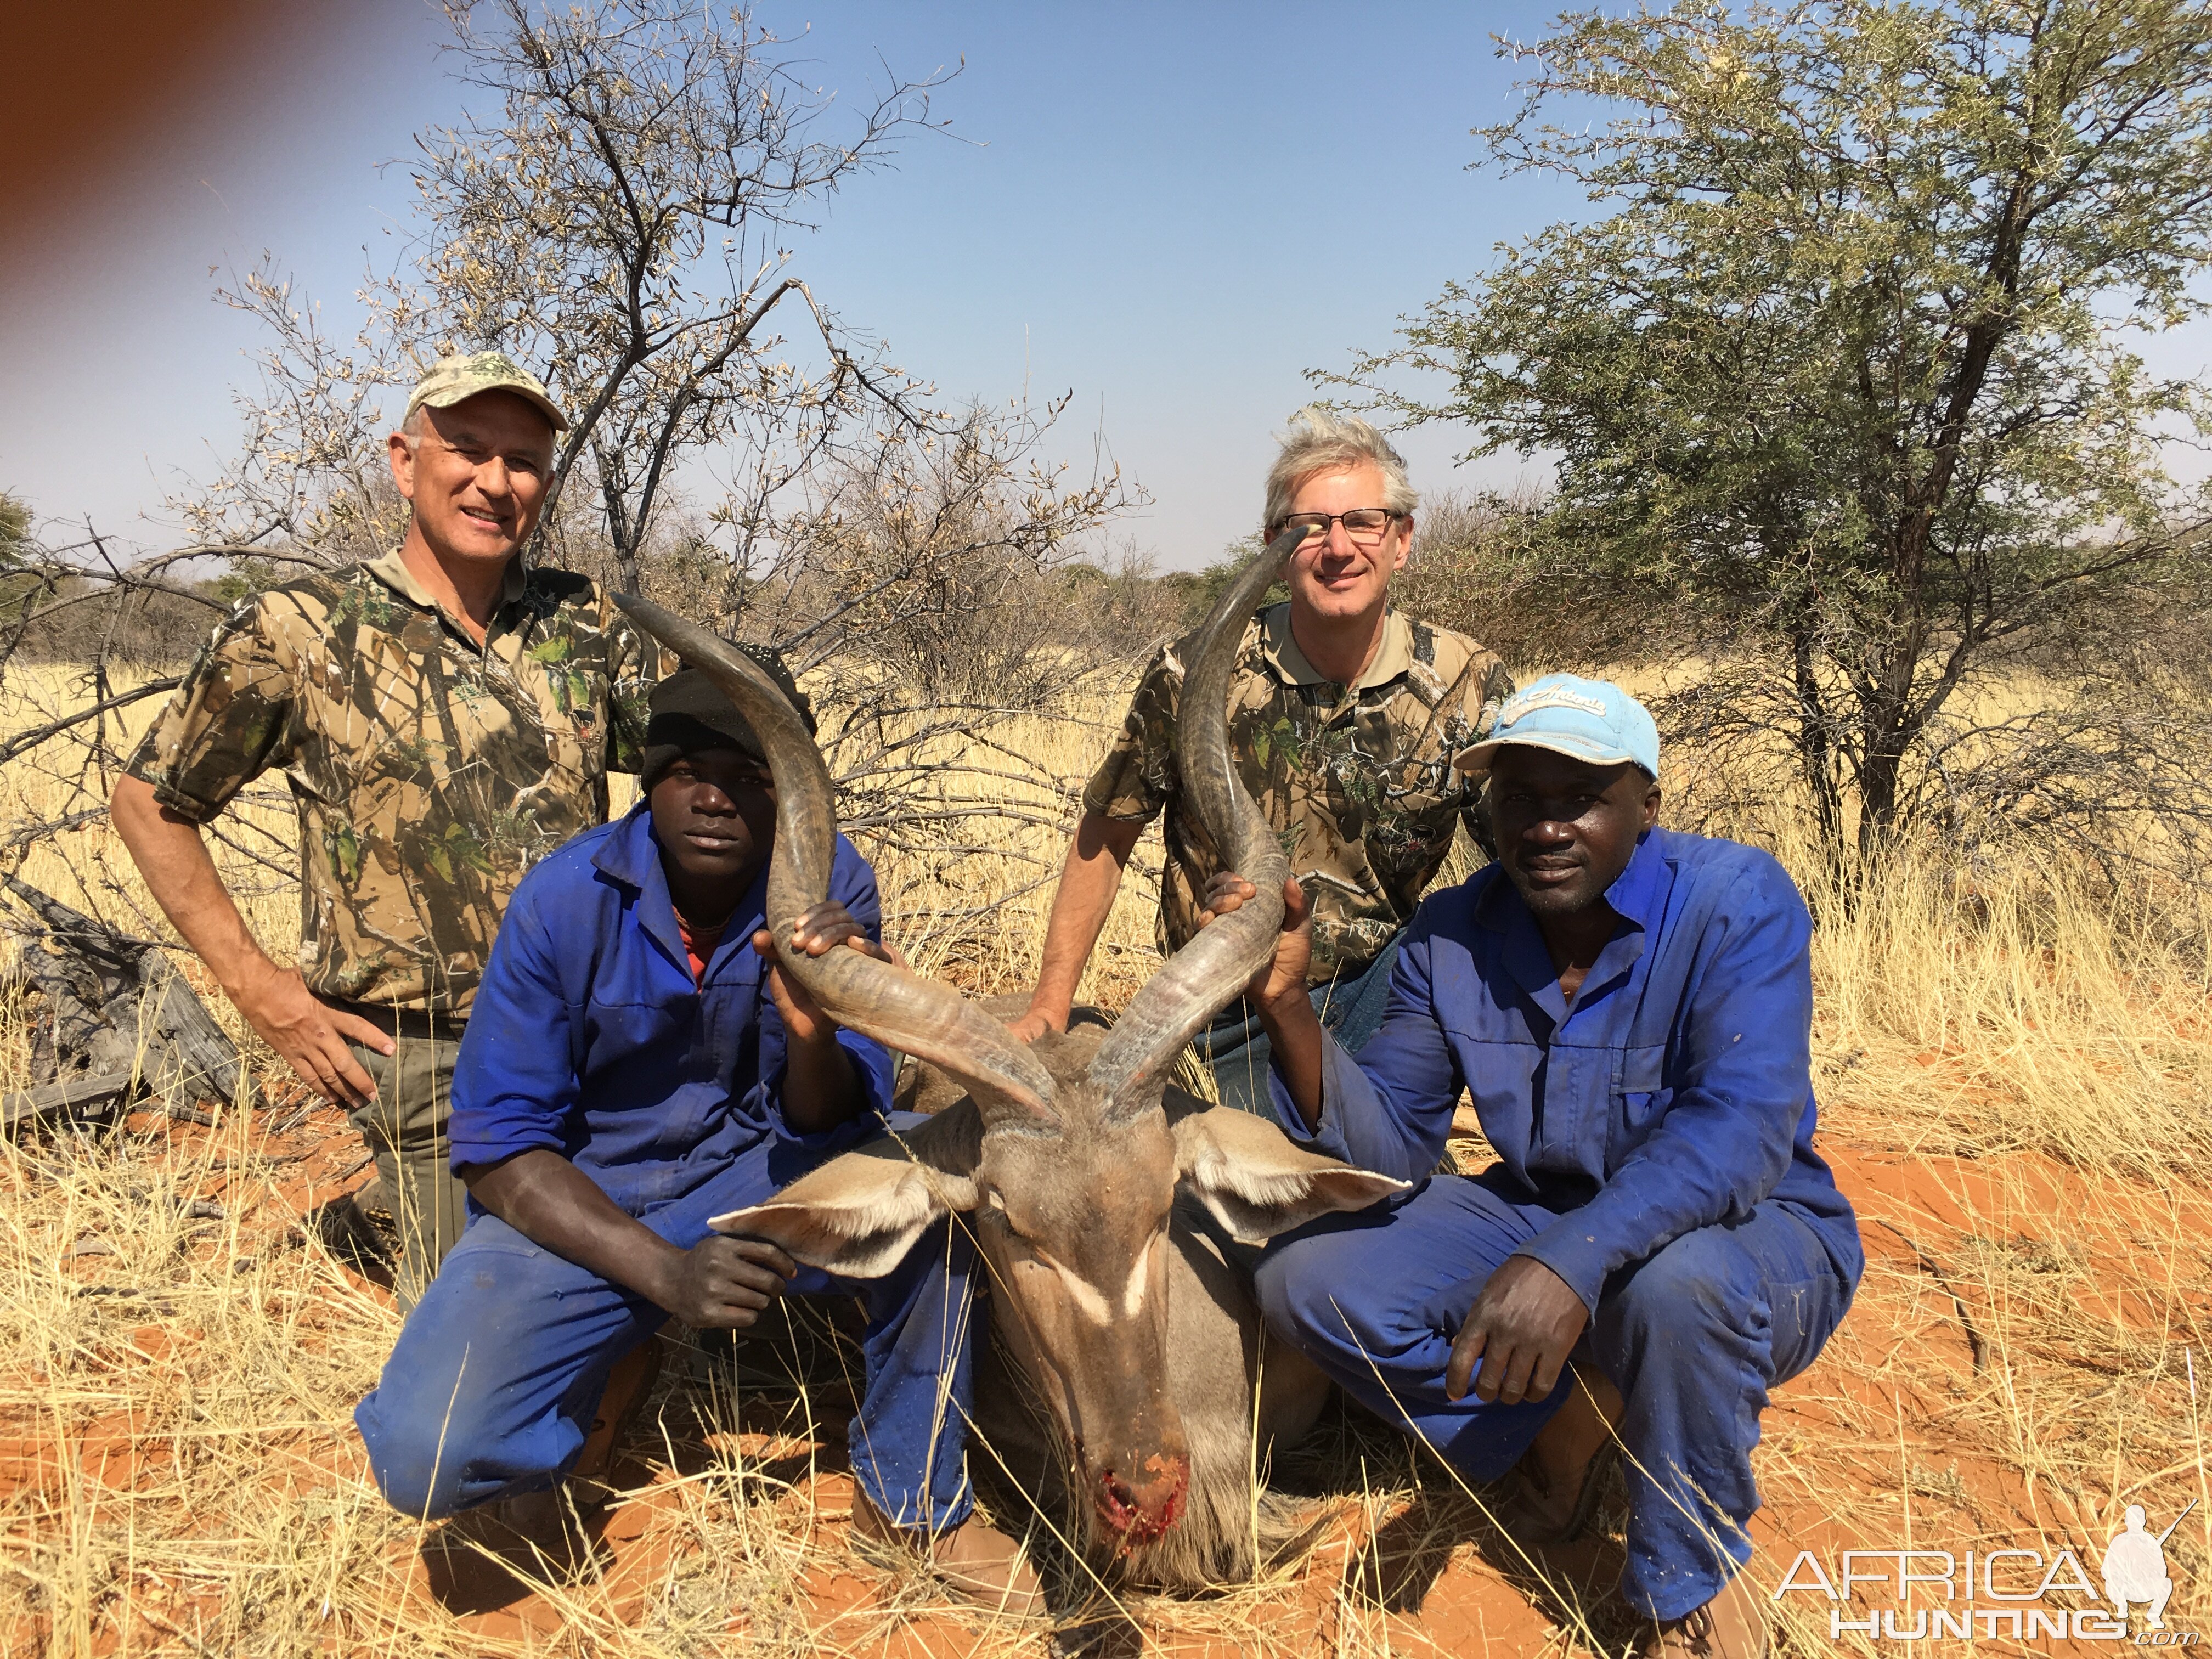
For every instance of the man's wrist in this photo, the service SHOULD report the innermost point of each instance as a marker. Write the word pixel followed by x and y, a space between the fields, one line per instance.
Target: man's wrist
pixel 821 1045
pixel 823 1088
pixel 1580 1277
pixel 663 1263
pixel 1285 1010
pixel 246 976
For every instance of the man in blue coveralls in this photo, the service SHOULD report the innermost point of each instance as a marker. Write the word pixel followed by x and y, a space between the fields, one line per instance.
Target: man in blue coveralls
pixel 634 1065
pixel 1631 1009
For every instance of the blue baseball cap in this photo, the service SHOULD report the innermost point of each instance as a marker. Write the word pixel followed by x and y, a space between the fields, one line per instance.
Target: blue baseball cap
pixel 1592 721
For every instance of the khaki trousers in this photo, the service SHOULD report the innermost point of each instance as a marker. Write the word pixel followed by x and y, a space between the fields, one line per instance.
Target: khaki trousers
pixel 404 1129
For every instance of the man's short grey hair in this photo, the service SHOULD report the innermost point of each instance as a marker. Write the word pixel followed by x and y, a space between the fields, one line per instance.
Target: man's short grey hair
pixel 414 426
pixel 1320 441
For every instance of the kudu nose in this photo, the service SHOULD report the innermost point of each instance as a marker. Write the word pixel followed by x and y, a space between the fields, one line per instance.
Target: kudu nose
pixel 1141 1505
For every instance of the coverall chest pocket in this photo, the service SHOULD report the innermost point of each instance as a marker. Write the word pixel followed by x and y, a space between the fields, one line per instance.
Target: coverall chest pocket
pixel 1639 1096
pixel 1571 1135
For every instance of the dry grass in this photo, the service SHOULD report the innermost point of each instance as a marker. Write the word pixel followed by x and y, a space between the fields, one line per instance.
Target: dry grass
pixel 2012 1078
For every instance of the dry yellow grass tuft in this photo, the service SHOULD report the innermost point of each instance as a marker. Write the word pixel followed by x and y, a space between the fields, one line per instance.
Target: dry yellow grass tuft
pixel 2012 1078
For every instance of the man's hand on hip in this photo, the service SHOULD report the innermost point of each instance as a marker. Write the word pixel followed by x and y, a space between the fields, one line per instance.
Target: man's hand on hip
pixel 310 1035
pixel 1520 1332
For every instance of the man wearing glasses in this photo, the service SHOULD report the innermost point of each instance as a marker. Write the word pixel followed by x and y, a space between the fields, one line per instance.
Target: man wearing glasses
pixel 445 716
pixel 1344 717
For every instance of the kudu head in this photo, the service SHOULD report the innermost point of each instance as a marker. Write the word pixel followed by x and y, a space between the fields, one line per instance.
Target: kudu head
pixel 1065 1157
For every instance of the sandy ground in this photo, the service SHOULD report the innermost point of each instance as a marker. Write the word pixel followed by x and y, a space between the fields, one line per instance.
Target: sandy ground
pixel 1885 1442
pixel 2012 1071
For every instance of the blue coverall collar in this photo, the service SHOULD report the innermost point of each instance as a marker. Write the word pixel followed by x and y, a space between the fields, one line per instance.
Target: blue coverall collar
pixel 1637 891
pixel 1636 895
pixel 631 856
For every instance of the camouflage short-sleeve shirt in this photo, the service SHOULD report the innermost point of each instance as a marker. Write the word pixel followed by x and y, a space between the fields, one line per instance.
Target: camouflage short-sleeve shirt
pixel 430 772
pixel 1358 780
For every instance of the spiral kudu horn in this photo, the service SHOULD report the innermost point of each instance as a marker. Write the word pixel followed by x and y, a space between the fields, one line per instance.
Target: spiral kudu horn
pixel 899 1009
pixel 1197 980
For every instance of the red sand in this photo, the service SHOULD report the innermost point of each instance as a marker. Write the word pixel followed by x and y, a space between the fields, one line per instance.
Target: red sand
pixel 1849 1436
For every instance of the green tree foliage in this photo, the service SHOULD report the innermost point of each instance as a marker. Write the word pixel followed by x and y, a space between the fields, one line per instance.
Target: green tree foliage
pixel 14 529
pixel 243 579
pixel 1203 588
pixel 1849 365
pixel 16 551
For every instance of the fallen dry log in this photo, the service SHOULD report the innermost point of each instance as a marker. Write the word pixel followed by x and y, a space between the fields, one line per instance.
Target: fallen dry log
pixel 116 1020
pixel 84 1099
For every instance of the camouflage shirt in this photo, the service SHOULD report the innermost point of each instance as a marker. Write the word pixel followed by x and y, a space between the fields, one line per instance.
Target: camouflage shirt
pixel 1357 780
pixel 429 771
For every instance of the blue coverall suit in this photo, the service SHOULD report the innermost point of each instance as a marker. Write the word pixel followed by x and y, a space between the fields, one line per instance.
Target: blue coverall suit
pixel 590 1038
pixel 1655 1148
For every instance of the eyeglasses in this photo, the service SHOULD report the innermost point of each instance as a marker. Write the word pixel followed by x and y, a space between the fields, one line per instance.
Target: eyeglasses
pixel 1364 524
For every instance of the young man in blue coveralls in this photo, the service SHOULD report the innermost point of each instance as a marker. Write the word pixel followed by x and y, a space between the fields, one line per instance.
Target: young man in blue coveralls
pixel 1630 1009
pixel 633 1066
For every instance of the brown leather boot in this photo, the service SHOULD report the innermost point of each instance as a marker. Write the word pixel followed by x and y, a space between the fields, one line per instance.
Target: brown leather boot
pixel 551 1532
pixel 975 1561
pixel 1732 1625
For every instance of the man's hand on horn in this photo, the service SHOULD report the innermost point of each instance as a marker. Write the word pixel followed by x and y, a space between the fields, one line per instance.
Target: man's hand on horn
pixel 1285 977
pixel 818 929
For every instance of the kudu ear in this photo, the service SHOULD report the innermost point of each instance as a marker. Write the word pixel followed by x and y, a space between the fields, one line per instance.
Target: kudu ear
pixel 1245 1171
pixel 859 1213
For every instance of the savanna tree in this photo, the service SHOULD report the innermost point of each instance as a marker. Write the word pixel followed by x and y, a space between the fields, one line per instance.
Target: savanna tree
pixel 614 215
pixel 616 208
pixel 1848 370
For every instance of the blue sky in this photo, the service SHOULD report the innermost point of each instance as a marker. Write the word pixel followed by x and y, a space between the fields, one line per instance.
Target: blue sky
pixel 1169 211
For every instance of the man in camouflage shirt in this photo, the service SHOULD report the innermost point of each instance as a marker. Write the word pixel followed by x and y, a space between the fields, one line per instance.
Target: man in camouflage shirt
pixel 1344 718
pixel 445 715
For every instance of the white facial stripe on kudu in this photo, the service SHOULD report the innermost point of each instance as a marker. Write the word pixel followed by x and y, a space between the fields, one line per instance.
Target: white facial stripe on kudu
pixel 1092 1304
pixel 1133 1293
pixel 1088 1302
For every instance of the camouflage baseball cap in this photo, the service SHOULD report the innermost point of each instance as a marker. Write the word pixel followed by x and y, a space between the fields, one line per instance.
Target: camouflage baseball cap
pixel 464 375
